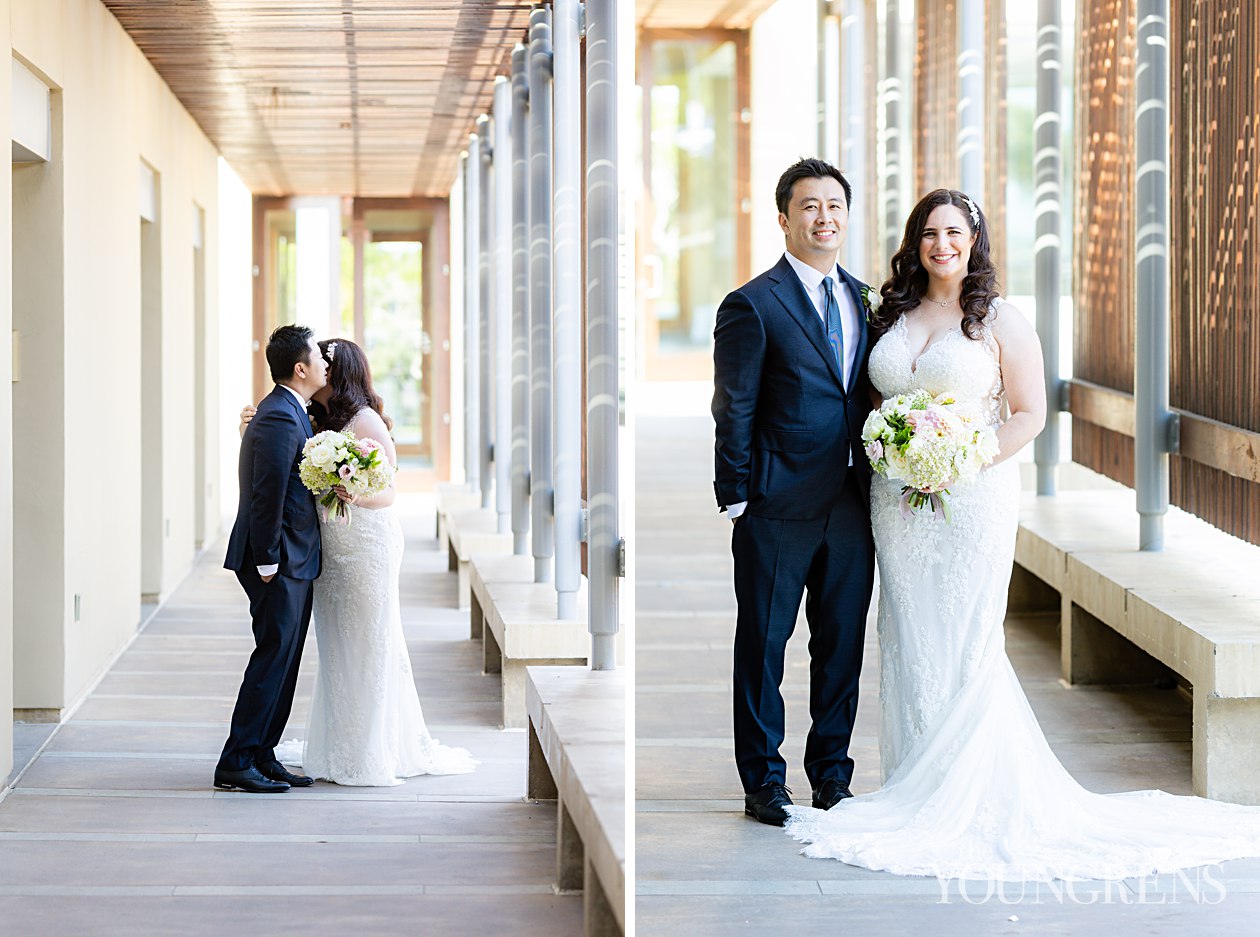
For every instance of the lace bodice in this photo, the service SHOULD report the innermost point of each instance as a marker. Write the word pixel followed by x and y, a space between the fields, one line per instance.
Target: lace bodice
pixel 953 364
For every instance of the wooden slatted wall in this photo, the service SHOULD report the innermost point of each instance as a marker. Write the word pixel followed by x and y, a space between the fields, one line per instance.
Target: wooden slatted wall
pixel 1103 222
pixel 1215 178
pixel 936 98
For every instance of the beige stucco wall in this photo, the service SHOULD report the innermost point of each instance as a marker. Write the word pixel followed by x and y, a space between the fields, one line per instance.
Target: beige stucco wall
pixel 115 112
pixel 6 428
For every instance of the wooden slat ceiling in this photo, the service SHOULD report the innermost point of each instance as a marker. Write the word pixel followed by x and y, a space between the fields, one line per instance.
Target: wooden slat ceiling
pixel 332 97
pixel 698 14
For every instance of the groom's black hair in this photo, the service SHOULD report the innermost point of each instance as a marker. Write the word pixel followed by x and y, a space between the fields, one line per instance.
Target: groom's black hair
pixel 287 346
pixel 808 168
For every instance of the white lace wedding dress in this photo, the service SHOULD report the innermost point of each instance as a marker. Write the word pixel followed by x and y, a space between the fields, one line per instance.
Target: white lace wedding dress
pixel 366 727
pixel 971 787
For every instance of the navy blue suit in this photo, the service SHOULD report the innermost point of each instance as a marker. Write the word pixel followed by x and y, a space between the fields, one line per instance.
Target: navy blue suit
pixel 786 429
pixel 276 523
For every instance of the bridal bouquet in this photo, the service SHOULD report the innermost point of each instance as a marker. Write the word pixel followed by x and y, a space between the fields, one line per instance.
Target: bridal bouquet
pixel 929 443
pixel 357 465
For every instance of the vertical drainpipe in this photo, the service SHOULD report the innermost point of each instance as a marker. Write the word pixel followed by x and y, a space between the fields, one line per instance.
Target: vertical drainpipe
pixel 1155 425
pixel 566 319
pixel 520 304
pixel 542 520
pixel 1048 214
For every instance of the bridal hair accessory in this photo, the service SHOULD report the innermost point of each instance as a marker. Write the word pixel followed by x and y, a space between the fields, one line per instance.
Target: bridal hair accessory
pixel 332 351
pixel 975 212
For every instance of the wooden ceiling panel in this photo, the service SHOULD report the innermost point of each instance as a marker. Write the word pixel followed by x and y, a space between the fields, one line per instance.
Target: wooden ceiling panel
pixel 332 97
pixel 698 14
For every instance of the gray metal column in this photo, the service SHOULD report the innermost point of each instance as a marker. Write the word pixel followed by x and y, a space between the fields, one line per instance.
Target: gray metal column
pixel 485 301
pixel 566 318
pixel 471 167
pixel 501 283
pixel 892 128
pixel 1047 213
pixel 1150 385
pixel 853 135
pixel 542 520
pixel 520 311
pixel 971 18
pixel 602 383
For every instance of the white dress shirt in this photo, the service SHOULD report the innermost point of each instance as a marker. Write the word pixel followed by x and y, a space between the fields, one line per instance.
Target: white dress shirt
pixel 850 324
pixel 272 568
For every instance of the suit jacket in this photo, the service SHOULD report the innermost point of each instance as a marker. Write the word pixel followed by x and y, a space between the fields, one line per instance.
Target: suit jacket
pixel 276 520
pixel 786 424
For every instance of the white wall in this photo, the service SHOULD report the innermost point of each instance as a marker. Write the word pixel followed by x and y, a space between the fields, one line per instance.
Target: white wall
pixel 116 111
pixel 236 333
pixel 39 413
pixel 6 425
pixel 784 93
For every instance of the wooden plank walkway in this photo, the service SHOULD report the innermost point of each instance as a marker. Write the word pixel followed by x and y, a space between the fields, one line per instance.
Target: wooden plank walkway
pixel 702 868
pixel 115 829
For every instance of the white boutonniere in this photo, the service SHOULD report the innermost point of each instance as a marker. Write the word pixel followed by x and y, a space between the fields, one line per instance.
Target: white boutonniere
pixel 871 299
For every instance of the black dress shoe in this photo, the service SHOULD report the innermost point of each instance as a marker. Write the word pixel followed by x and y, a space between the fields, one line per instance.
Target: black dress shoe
pixel 766 804
pixel 832 791
pixel 250 780
pixel 278 772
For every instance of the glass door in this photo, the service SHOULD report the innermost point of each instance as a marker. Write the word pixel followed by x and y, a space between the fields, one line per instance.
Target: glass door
pixel 694 228
pixel 391 321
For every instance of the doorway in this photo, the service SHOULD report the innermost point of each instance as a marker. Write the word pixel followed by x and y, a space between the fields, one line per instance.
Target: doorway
pixel 153 523
pixel 395 304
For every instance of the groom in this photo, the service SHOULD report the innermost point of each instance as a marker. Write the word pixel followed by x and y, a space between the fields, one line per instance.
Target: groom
pixel 274 550
pixel 790 397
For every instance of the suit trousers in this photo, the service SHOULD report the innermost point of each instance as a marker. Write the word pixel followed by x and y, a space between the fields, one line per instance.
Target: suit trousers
pixel 831 561
pixel 281 613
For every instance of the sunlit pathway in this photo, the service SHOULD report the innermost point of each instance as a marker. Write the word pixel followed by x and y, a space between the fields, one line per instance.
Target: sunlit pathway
pixel 704 869
pixel 115 828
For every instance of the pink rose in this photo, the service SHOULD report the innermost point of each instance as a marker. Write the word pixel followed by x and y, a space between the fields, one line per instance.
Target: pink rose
pixel 875 451
pixel 346 471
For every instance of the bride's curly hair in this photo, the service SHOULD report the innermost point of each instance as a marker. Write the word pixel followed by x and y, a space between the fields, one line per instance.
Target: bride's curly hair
pixel 904 289
pixel 350 378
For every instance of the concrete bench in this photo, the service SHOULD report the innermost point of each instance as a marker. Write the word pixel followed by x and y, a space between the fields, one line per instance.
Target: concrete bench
pixel 577 736
pixel 497 568
pixel 470 532
pixel 1130 617
pixel 452 498
pixel 516 621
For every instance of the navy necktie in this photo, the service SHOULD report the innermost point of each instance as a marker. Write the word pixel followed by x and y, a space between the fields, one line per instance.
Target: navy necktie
pixel 835 333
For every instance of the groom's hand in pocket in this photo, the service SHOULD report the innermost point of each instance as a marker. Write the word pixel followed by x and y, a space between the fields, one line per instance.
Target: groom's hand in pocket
pixel 267 578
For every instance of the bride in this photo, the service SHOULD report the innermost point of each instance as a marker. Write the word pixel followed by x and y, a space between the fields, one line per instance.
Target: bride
pixel 366 727
pixel 971 787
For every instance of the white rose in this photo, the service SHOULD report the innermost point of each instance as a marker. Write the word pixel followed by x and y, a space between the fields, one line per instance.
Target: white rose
pixel 986 446
pixel 875 425
pixel 898 466
pixel 321 456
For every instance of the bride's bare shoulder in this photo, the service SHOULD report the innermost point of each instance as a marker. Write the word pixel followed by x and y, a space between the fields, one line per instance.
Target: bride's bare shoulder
pixel 367 422
pixel 1007 321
